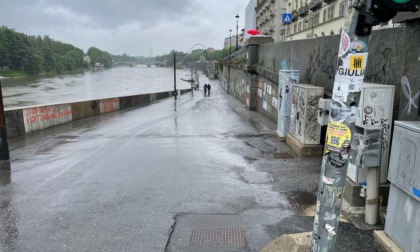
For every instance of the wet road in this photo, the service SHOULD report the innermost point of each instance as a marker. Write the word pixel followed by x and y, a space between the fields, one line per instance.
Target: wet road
pixel 148 178
pixel 118 81
pixel 121 181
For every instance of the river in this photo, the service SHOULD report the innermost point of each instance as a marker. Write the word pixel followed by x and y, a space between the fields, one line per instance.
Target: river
pixel 89 85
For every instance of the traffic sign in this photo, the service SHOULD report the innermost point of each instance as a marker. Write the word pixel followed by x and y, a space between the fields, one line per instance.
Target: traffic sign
pixel 286 18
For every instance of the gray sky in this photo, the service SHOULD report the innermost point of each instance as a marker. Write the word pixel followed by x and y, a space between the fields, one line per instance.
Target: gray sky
pixel 135 27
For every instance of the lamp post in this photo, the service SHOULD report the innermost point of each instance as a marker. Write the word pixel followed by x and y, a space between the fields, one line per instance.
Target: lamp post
pixel 312 17
pixel 230 42
pixel 237 18
pixel 230 48
pixel 176 61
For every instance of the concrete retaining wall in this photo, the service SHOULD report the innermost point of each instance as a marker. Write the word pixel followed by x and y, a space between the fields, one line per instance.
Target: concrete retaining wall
pixel 30 119
pixel 393 54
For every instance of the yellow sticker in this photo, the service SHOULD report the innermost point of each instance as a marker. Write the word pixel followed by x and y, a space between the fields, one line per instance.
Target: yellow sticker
pixel 338 136
pixel 357 62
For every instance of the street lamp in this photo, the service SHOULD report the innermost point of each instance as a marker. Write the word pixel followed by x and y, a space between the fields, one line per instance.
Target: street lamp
pixel 176 61
pixel 230 48
pixel 237 18
pixel 230 41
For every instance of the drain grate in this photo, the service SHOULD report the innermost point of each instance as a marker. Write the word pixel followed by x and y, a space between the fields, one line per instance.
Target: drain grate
pixel 218 237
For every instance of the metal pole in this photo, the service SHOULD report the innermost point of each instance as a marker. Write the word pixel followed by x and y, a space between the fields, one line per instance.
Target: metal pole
pixel 237 18
pixel 4 146
pixel 372 194
pixel 230 48
pixel 349 75
pixel 175 93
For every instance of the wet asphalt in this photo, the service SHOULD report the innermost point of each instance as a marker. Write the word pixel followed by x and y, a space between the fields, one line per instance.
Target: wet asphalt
pixel 160 178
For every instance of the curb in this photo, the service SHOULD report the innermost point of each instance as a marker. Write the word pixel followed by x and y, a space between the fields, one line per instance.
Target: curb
pixel 385 241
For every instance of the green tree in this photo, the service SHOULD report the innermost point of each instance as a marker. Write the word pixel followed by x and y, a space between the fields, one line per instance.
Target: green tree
pixel 49 60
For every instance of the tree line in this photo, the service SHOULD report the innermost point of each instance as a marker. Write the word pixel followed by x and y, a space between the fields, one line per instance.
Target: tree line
pixel 22 54
pixel 195 55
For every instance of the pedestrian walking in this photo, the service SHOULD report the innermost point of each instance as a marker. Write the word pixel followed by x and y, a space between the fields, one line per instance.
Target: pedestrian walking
pixel 208 88
pixel 205 88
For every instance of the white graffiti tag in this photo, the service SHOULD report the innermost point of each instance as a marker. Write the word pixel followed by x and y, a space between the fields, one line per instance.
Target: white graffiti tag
pixel 407 93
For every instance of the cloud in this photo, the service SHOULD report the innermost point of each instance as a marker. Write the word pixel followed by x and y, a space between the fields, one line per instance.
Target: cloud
pixel 134 27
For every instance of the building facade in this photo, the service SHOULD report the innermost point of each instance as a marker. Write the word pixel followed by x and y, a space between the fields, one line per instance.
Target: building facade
pixel 310 18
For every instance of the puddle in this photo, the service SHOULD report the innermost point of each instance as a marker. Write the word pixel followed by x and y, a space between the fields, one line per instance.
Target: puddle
pixel 303 202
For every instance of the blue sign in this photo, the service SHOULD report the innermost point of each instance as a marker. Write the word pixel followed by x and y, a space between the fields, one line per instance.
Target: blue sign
pixel 286 18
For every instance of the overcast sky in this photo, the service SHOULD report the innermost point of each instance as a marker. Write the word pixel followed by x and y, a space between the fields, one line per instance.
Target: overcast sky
pixel 135 27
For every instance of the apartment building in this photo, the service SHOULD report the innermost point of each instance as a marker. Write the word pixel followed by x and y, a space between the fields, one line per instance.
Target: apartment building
pixel 310 18
pixel 231 41
pixel 315 18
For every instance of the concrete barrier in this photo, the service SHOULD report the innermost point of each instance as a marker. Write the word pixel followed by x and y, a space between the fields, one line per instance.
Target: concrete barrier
pixel 38 118
pixel 85 109
pixel 26 120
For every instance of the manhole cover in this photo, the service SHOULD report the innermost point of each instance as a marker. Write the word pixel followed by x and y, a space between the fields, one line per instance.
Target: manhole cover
pixel 218 237
pixel 282 155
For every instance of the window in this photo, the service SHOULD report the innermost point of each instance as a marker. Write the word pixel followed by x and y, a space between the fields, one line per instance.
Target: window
pixel 341 9
pixel 300 26
pixel 294 28
pixel 316 19
pixel 324 16
pixel 331 12
pixel 306 23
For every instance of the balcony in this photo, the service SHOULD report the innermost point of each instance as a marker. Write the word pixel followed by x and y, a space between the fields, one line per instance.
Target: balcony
pixel 303 11
pixel 294 15
pixel 328 1
pixel 315 4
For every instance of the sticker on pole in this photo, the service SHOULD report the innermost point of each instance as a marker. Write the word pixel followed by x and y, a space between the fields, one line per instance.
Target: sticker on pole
pixel 344 44
pixel 338 136
pixel 349 76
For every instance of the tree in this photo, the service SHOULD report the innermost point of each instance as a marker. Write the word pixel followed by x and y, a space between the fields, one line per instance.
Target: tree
pixel 49 60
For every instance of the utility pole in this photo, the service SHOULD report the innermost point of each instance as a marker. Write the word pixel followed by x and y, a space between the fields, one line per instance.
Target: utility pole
pixel 237 38
pixel 175 92
pixel 351 67
pixel 4 146
pixel 352 58
pixel 230 47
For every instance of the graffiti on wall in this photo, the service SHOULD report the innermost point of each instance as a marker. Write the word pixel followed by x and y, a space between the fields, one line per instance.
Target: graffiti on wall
pixel 322 60
pixel 378 69
pixel 312 126
pixel 285 65
pixel 109 105
pixel 46 113
pixel 411 100
pixel 46 116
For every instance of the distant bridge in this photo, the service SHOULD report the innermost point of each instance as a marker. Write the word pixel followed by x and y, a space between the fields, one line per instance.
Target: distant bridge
pixel 130 63
pixel 123 63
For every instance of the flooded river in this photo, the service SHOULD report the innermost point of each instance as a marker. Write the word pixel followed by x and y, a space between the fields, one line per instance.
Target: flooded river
pixel 119 81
